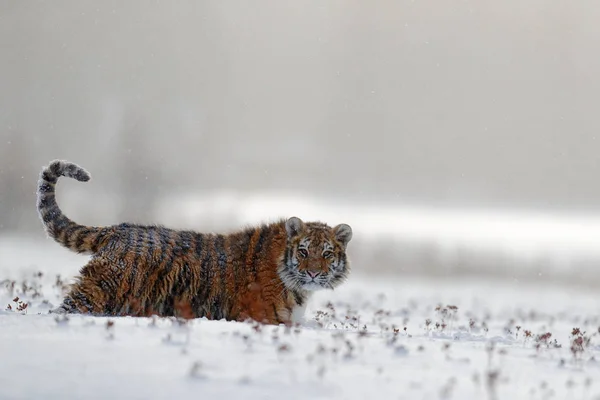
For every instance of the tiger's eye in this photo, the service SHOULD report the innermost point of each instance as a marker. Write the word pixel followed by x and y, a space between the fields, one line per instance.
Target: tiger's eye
pixel 303 253
pixel 327 254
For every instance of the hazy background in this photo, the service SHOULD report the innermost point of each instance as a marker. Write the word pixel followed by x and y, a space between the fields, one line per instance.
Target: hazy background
pixel 426 125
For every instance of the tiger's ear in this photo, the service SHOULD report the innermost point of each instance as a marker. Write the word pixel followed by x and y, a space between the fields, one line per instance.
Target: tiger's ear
pixel 294 226
pixel 343 233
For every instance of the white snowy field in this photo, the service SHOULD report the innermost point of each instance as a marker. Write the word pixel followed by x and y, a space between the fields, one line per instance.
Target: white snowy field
pixel 372 337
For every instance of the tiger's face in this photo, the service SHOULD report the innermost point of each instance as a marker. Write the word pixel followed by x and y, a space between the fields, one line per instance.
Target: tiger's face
pixel 315 256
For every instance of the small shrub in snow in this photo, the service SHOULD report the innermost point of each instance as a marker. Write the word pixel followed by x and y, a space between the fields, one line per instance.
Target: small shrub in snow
pixel 110 328
pixel 196 371
pixel 579 343
pixel 19 306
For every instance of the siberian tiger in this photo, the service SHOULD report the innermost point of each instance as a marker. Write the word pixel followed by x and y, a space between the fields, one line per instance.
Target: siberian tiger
pixel 265 273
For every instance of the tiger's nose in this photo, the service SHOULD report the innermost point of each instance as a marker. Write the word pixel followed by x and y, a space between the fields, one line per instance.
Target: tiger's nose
pixel 312 274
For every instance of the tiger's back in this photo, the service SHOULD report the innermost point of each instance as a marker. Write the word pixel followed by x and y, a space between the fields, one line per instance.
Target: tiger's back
pixel 259 273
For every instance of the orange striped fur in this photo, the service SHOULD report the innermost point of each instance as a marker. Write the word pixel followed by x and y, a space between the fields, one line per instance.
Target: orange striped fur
pixel 262 273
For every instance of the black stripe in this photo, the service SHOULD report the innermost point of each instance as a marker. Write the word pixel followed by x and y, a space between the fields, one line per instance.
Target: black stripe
pixel 47 217
pixel 184 275
pixel 48 176
pixel 199 298
pixel 220 250
pixel 221 258
pixel 69 305
pixel 184 280
pixel 46 200
pixel 343 259
pixel 163 271
pixel 298 298
pixel 154 238
pixel 60 221
pixel 182 245
pixel 74 236
pixel 239 259
pixel 130 240
pixel 83 300
pixel 288 255
pixel 46 188
pixel 111 297
pixel 206 272
pixel 167 308
pixel 70 169
pixel 216 309
pixel 100 234
pixel 218 302
pixel 257 249
pixel 56 168
pixel 68 232
pixel 81 238
pixel 199 245
pixel 138 248
pixel 276 315
pixel 164 238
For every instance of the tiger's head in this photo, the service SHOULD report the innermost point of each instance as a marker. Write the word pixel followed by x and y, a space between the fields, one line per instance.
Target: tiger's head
pixel 315 255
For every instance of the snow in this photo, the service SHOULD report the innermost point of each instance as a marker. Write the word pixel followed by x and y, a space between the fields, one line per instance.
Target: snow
pixel 345 349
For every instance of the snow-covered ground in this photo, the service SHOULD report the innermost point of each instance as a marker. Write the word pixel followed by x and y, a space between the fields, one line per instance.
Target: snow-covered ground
pixel 373 337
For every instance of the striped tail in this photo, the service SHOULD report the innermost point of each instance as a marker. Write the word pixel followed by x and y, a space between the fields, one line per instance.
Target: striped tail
pixel 79 238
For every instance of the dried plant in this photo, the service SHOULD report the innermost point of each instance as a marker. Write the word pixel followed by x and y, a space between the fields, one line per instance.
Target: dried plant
pixel 110 328
pixel 196 371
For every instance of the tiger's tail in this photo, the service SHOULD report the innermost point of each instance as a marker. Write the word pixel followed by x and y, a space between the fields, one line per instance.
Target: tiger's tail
pixel 79 238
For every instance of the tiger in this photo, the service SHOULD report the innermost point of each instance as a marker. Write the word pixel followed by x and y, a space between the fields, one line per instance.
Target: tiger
pixel 264 273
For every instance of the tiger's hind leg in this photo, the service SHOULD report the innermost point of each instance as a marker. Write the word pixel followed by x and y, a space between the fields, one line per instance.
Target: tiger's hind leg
pixel 62 309
pixel 77 302
pixel 92 293
pixel 58 310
